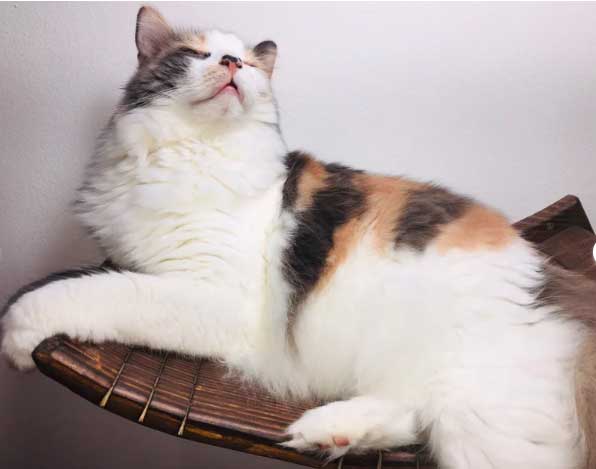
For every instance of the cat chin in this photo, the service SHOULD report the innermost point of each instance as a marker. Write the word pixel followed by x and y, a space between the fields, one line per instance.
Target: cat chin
pixel 226 104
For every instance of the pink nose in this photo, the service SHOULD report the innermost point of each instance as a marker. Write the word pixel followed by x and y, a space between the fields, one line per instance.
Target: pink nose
pixel 233 63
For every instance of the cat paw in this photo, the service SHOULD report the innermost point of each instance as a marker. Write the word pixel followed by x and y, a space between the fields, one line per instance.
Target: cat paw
pixel 325 430
pixel 19 339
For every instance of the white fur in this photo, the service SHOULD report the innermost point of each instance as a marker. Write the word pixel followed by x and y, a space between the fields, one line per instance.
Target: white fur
pixel 418 344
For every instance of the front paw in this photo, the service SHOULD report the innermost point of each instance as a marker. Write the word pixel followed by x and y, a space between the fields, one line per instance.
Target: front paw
pixel 322 430
pixel 19 338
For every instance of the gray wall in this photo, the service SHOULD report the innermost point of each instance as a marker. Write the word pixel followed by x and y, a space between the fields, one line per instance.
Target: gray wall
pixel 495 100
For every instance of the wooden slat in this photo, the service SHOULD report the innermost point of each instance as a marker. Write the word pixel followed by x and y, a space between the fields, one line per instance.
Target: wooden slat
pixel 220 409
pixel 199 400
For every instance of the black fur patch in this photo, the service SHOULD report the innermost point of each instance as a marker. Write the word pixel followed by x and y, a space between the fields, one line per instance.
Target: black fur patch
pixel 152 81
pixel 108 266
pixel 426 210
pixel 335 204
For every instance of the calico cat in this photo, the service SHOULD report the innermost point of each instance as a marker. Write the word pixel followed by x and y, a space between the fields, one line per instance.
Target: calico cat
pixel 420 313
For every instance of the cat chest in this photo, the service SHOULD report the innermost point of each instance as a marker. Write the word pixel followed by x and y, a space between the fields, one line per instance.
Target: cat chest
pixel 186 208
pixel 203 240
pixel 174 227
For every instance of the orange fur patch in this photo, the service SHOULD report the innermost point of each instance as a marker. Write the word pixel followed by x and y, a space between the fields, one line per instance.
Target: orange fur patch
pixel 344 240
pixel 386 197
pixel 312 180
pixel 479 227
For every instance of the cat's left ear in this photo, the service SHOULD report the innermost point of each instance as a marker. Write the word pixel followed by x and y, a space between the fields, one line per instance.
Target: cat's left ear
pixel 266 53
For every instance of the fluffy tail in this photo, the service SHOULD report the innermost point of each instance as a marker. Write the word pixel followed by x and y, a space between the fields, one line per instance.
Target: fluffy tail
pixel 574 295
pixel 585 397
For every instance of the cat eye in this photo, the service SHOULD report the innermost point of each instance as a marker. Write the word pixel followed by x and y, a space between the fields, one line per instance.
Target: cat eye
pixel 195 53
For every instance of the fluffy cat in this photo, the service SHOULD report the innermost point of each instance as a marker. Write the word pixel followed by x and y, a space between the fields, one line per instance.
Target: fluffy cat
pixel 420 312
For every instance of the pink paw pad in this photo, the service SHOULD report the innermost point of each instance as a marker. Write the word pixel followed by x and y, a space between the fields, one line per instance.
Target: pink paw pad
pixel 341 441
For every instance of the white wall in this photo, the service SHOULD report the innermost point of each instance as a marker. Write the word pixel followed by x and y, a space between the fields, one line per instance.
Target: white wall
pixel 495 100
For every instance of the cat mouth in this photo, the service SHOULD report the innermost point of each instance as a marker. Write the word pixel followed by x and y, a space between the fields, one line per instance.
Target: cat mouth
pixel 230 87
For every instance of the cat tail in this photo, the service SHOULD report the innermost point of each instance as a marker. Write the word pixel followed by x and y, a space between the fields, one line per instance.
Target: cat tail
pixel 574 295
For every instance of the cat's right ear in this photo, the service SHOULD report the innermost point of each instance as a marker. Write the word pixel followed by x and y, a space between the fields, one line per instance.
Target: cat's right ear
pixel 153 33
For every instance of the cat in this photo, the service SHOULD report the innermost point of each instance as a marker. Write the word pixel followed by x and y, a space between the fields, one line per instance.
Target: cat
pixel 420 314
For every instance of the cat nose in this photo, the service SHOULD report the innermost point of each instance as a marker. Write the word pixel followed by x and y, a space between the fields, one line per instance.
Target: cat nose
pixel 231 62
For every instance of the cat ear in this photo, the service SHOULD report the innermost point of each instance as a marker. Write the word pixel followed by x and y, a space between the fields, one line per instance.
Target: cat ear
pixel 266 52
pixel 152 34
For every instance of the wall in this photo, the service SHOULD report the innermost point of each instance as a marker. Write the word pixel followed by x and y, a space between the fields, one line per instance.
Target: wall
pixel 495 100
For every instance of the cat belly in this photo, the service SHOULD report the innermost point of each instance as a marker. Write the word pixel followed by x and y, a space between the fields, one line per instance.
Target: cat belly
pixel 455 337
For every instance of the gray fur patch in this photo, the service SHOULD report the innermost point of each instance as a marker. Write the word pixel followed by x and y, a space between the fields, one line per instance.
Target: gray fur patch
pixel 426 210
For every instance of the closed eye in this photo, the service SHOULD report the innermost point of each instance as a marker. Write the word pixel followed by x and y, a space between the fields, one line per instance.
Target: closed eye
pixel 195 53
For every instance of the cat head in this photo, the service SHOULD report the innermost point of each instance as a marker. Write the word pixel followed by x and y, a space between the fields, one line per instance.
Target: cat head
pixel 208 76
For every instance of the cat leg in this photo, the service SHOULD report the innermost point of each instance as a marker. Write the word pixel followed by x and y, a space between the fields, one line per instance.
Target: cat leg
pixel 170 312
pixel 358 425
pixel 505 438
